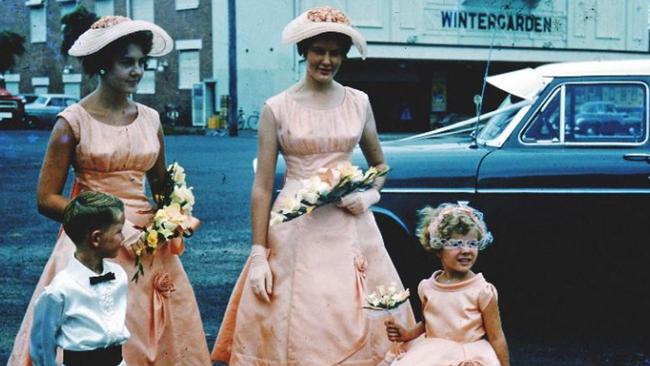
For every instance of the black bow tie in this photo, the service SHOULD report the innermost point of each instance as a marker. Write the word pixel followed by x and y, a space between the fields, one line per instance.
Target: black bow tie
pixel 109 276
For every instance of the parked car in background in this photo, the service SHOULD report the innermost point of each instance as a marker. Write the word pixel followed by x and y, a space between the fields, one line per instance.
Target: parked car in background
pixel 569 207
pixel 12 110
pixel 43 111
pixel 27 97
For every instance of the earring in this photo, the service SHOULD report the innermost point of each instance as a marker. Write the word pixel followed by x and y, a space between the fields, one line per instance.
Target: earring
pixel 102 72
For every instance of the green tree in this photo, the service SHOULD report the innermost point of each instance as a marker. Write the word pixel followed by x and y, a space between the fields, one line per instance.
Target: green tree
pixel 12 46
pixel 74 24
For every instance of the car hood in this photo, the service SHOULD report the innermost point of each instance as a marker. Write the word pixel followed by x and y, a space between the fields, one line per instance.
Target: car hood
pixel 433 163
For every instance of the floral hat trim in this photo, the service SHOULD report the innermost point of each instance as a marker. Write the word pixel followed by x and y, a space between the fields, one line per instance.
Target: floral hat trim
pixel 320 20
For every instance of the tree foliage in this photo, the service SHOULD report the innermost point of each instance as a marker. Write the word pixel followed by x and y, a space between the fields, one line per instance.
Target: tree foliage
pixel 74 24
pixel 12 45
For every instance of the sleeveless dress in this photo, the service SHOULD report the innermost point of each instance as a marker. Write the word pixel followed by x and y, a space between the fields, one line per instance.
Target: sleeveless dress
pixel 454 335
pixel 162 314
pixel 322 263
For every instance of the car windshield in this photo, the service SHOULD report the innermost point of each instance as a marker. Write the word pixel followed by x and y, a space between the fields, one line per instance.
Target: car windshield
pixel 41 100
pixel 497 124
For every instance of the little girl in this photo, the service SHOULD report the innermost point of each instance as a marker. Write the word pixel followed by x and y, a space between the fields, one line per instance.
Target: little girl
pixel 459 306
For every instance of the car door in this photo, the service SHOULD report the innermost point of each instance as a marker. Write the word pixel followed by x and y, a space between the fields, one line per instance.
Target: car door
pixel 569 193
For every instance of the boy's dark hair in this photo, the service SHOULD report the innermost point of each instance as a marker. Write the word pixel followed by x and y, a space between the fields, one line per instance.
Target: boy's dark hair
pixel 90 211
pixel 104 58
pixel 344 41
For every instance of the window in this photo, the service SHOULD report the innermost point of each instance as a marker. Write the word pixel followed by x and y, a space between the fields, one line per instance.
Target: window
pixel 72 84
pixel 12 82
pixel 38 23
pixel 142 10
pixel 40 84
pixel 67 6
pixel 605 112
pixel 591 113
pixel 546 123
pixel 147 83
pixel 188 69
pixel 104 7
pixel 187 4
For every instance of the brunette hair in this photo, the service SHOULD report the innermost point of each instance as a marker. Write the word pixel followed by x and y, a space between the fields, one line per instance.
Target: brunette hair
pixel 90 211
pixel 103 58
pixel 344 41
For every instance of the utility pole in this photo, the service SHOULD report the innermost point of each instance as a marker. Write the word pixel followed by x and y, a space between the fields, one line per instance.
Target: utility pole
pixel 232 69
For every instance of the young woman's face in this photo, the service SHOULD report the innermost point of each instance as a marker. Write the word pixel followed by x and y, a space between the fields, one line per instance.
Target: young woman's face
pixel 459 261
pixel 127 70
pixel 324 59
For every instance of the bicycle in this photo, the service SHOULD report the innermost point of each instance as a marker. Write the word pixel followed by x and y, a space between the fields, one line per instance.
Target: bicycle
pixel 251 122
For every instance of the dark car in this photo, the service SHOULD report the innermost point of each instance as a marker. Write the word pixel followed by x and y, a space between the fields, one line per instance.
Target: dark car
pixel 43 111
pixel 569 207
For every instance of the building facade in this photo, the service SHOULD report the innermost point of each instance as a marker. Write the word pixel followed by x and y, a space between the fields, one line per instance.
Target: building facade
pixel 168 80
pixel 426 58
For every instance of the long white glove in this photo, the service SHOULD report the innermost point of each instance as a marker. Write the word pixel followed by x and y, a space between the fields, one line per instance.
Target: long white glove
pixel 358 202
pixel 260 278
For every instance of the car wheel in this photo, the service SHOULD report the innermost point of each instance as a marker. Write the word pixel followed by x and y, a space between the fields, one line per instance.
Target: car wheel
pixel 32 123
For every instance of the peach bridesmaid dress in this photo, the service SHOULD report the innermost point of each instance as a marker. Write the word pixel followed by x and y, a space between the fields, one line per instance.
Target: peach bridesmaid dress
pixel 322 263
pixel 162 313
pixel 454 335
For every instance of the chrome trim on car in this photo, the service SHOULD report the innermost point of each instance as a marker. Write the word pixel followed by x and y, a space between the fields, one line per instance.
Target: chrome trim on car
pixel 565 190
pixel 428 190
pixel 562 116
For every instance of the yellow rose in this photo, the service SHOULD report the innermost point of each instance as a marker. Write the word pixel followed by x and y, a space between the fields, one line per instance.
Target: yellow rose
pixel 152 239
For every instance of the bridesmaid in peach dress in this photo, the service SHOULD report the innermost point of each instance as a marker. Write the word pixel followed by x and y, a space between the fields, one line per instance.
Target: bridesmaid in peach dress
pixel 459 306
pixel 299 298
pixel 113 143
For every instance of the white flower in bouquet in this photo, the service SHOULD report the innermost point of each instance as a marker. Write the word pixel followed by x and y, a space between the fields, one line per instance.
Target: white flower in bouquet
pixel 290 204
pixel 276 218
pixel 178 173
pixel 353 172
pixel 386 298
pixel 184 197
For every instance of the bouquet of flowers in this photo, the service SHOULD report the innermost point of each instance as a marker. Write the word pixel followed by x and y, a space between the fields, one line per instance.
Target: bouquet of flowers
pixel 387 299
pixel 327 186
pixel 172 220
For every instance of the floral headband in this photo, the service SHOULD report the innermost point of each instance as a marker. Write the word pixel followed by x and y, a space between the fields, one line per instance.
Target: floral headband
pixel 436 242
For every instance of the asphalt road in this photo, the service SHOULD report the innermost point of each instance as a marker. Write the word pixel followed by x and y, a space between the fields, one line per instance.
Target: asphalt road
pixel 220 170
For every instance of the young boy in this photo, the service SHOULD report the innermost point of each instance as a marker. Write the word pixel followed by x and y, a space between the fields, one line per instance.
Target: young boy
pixel 84 307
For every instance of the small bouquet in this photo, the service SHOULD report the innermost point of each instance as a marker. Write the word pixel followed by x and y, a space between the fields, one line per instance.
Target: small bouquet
pixel 327 186
pixel 387 299
pixel 171 221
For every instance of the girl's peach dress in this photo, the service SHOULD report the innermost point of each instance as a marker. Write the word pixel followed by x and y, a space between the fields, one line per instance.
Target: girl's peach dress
pixel 162 314
pixel 322 263
pixel 454 334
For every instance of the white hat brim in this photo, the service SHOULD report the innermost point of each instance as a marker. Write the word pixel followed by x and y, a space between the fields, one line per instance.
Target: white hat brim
pixel 94 40
pixel 302 28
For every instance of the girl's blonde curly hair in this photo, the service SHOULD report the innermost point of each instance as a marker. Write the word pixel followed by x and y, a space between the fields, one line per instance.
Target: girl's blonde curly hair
pixel 437 225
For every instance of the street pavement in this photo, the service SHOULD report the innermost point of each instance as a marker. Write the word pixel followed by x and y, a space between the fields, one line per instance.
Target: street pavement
pixel 220 170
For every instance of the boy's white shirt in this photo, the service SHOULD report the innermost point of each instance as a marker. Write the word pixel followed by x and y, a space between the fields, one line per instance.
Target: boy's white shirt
pixel 73 314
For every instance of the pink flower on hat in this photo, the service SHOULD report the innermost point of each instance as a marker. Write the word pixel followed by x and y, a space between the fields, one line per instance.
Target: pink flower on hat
pixel 327 14
pixel 108 21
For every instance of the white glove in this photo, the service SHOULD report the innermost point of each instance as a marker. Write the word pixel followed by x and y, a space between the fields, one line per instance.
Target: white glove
pixel 260 278
pixel 358 202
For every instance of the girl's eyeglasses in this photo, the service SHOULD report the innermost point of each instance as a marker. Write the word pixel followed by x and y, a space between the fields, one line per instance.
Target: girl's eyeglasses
pixel 459 243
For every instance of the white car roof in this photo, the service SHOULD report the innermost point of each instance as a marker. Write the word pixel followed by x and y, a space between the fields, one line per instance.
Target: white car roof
pixel 527 83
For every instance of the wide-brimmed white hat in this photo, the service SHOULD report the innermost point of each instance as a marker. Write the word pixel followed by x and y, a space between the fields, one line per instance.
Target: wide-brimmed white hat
pixel 109 28
pixel 320 20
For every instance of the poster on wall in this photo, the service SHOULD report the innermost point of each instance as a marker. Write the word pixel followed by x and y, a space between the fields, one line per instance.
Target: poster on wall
pixel 438 94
